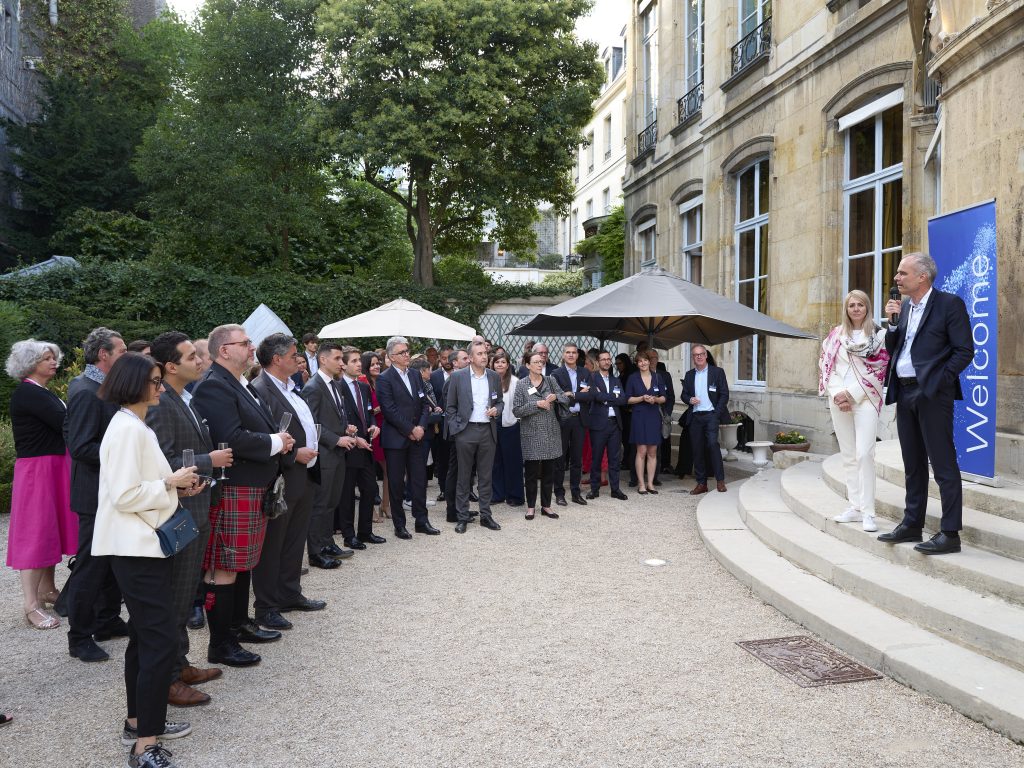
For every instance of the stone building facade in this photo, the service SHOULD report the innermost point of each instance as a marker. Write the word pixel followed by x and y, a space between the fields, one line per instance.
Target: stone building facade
pixel 782 153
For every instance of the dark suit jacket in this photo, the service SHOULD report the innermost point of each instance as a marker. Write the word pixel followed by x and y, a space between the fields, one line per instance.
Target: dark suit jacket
pixel 401 411
pixel 333 423
pixel 601 398
pixel 670 390
pixel 437 381
pixel 583 376
pixel 459 400
pixel 274 399
pixel 719 398
pixel 358 457
pixel 942 347
pixel 235 417
pixel 177 430
pixel 84 427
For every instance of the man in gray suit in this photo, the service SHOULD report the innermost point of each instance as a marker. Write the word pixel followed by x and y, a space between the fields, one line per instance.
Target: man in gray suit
pixel 179 428
pixel 472 410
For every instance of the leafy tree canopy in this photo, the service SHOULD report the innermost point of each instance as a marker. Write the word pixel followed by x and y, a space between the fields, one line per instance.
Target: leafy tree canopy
pixel 457 107
pixel 609 244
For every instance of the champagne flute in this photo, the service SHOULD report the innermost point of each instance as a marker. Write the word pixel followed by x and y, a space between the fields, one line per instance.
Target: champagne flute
pixel 286 419
pixel 223 470
pixel 188 458
pixel 319 429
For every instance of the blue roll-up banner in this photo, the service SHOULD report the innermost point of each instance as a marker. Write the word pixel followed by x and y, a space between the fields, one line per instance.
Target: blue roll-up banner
pixel 963 244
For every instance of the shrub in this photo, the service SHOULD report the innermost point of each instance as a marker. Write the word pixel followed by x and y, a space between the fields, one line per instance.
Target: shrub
pixel 14 326
pixel 457 271
pixel 6 463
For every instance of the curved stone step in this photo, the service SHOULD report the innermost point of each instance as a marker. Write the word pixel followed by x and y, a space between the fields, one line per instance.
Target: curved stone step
pixel 809 496
pixel 978 687
pixel 998 534
pixel 1005 502
pixel 991 626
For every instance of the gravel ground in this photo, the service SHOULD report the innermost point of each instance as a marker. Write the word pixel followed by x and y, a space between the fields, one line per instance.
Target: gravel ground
pixel 549 643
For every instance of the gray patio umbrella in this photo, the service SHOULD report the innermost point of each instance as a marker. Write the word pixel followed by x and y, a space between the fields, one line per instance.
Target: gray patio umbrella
pixel 660 308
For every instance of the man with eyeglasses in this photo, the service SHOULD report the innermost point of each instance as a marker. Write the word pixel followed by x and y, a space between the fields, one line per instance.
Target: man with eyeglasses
pixel 236 416
pixel 706 393
pixel 403 401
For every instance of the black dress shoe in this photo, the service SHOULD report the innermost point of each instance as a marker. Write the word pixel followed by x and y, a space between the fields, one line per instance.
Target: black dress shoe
pixel 232 654
pixel 490 522
pixel 440 496
pixel 250 632
pixel 940 544
pixel 426 528
pixel 460 527
pixel 320 561
pixel 197 619
pixel 617 494
pixel 116 628
pixel 354 544
pixel 402 533
pixel 87 650
pixel 552 515
pixel 304 604
pixel 900 534
pixel 560 501
pixel 593 494
pixel 373 538
pixel 333 550
pixel 376 500
pixel 273 620
pixel 578 498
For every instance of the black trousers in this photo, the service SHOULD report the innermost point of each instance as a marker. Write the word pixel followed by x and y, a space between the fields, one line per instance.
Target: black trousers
pixel 925 427
pixel 363 479
pixel 94 599
pixel 572 456
pixel 544 470
pixel 704 444
pixel 276 578
pixel 152 638
pixel 186 577
pixel 609 438
pixel 440 448
pixel 407 465
pixel 451 483
pixel 325 499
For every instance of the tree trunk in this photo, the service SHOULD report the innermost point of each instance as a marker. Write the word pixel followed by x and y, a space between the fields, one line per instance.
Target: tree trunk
pixel 423 245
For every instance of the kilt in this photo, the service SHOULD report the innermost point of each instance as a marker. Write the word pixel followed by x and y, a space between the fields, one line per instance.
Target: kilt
pixel 237 530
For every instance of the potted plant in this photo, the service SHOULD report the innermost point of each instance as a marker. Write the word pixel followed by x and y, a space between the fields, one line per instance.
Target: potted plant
pixel 790 441
pixel 728 434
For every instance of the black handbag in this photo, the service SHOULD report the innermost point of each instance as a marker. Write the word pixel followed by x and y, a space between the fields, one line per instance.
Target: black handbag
pixel 561 410
pixel 274 504
pixel 177 532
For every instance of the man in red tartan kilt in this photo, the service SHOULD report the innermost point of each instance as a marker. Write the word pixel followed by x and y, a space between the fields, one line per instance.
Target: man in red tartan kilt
pixel 235 416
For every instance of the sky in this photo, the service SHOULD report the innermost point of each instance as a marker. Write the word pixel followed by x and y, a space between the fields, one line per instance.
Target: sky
pixel 601 26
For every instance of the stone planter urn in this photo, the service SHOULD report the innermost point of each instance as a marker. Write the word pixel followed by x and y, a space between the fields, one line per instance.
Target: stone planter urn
pixel 800 447
pixel 728 438
pixel 760 449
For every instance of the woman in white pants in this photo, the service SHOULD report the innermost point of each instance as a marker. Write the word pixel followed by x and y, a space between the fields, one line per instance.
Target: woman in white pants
pixel 852 371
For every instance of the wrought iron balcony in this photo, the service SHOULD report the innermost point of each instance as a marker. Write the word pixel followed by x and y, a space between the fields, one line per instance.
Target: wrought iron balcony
pixel 689 105
pixel 931 91
pixel 646 139
pixel 752 47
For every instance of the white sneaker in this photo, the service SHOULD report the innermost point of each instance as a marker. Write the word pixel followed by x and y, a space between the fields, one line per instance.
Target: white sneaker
pixel 869 524
pixel 849 515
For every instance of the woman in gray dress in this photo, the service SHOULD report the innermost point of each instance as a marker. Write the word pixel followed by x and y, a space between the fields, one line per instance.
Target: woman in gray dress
pixel 539 432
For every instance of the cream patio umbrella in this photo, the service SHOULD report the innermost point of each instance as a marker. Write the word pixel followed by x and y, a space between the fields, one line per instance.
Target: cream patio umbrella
pixel 398 318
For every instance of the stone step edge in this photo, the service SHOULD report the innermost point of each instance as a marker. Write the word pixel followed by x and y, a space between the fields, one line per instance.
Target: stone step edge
pixel 1002 535
pixel 1005 502
pixel 975 568
pixel 987 625
pixel 974 685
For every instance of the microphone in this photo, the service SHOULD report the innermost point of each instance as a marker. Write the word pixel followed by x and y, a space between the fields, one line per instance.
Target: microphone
pixel 894 295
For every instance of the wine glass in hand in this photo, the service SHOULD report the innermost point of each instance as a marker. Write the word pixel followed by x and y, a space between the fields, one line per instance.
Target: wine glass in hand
pixel 223 470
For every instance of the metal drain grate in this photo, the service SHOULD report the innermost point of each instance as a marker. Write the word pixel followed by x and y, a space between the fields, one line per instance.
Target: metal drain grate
pixel 807 662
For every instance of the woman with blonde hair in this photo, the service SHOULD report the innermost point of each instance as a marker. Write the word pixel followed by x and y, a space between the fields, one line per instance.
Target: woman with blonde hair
pixel 852 371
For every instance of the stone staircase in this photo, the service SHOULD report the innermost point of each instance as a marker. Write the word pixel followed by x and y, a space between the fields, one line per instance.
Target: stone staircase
pixel 951 626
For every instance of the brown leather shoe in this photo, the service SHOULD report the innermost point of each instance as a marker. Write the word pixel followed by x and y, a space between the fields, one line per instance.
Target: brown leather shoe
pixel 721 486
pixel 699 489
pixel 182 695
pixel 195 676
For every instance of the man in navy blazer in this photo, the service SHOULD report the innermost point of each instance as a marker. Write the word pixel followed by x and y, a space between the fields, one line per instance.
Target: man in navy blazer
pixel 706 393
pixel 575 382
pixel 604 418
pixel 928 347
pixel 403 402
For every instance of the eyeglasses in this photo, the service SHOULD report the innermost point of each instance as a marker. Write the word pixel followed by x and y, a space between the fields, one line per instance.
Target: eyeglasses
pixel 156 382
pixel 400 352
pixel 247 342
pixel 700 354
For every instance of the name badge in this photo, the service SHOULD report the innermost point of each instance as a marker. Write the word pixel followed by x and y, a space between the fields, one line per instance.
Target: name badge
pixel 421 393
pixel 616 391
pixel 531 391
pixel 712 389
pixel 494 395
pixel 656 389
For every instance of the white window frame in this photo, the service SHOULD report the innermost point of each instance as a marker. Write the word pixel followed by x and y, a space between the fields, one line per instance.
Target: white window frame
pixel 694 77
pixel 607 123
pixel 606 200
pixel 589 209
pixel 642 238
pixel 649 63
pixel 759 225
pixel 875 181
pixel 590 152
pixel 762 11
pixel 692 247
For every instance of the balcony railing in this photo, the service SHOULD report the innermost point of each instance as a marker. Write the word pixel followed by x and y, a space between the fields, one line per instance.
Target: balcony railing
pixel 930 96
pixel 752 47
pixel 689 105
pixel 646 139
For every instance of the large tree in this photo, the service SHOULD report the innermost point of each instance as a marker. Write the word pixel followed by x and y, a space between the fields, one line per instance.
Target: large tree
pixel 459 107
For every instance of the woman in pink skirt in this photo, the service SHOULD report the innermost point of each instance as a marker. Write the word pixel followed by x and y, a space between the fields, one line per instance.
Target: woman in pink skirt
pixel 43 528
